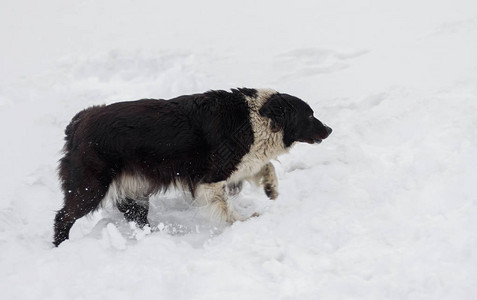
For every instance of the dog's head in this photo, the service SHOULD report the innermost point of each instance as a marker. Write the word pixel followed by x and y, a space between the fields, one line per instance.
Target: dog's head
pixel 295 118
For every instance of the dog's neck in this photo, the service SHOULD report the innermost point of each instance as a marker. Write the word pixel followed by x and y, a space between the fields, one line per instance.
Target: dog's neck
pixel 267 141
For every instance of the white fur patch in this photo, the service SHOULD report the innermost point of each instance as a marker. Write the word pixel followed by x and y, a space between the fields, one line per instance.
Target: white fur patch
pixel 267 145
pixel 213 197
pixel 135 187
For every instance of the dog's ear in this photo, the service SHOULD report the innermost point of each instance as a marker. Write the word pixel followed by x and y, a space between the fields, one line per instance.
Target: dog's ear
pixel 275 109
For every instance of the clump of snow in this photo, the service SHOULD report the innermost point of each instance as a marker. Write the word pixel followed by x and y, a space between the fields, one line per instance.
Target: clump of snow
pixel 383 209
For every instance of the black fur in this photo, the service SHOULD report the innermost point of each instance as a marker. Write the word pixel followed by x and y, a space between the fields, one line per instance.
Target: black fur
pixel 185 141
pixel 295 118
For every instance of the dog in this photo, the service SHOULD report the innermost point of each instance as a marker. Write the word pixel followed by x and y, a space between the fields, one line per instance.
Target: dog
pixel 206 144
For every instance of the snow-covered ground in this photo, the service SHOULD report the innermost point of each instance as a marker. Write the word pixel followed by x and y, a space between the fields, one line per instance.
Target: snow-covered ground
pixel 383 209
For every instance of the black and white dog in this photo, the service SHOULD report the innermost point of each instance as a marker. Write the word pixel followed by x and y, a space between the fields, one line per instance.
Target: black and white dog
pixel 205 143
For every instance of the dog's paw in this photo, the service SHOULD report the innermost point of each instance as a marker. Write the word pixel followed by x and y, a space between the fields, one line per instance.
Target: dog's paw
pixel 232 216
pixel 270 191
pixel 234 188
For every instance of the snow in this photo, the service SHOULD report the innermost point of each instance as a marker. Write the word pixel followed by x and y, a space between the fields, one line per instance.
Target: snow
pixel 383 209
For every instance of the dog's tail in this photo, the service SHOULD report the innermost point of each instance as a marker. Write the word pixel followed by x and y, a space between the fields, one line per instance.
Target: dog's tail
pixel 66 163
pixel 73 126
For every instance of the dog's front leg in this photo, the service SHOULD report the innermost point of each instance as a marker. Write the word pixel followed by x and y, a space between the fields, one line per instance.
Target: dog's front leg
pixel 215 198
pixel 234 188
pixel 268 179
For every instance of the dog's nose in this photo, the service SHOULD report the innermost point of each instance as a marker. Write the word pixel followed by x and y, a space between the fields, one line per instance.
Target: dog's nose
pixel 328 130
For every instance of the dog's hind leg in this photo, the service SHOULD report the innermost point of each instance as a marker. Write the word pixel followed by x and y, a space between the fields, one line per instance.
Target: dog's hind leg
pixel 78 203
pixel 135 211
pixel 84 188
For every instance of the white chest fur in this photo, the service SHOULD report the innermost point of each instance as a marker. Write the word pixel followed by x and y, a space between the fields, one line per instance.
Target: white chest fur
pixel 267 145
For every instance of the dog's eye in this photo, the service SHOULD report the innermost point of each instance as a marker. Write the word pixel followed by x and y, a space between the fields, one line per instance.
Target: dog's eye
pixel 310 117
